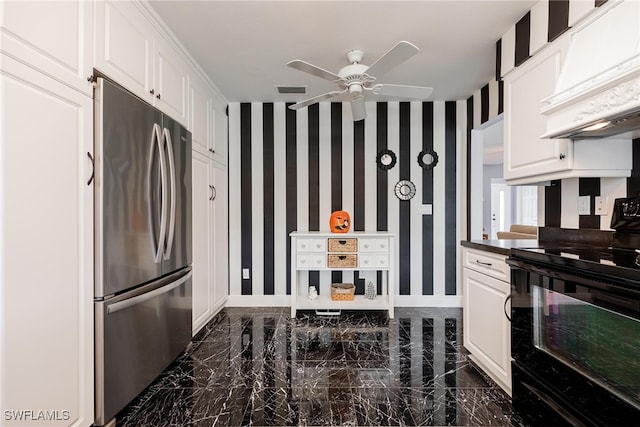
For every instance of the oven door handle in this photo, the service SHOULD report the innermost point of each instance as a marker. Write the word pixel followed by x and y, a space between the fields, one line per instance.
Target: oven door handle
pixel 504 307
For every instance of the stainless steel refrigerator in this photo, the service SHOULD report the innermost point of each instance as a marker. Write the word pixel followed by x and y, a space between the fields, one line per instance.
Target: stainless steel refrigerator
pixel 143 245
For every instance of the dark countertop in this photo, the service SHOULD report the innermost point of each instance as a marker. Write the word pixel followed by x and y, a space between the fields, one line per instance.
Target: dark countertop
pixel 502 247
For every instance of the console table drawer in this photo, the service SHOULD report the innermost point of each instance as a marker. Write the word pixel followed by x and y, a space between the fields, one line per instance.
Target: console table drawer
pixel 374 261
pixel 374 245
pixel 311 245
pixel 343 245
pixel 310 261
pixel 342 260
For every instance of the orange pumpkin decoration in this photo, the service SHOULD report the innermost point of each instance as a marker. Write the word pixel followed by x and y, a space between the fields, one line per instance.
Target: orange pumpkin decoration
pixel 340 222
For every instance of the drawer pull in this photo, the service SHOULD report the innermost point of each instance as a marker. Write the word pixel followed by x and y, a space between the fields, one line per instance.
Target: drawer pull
pixel 342 242
pixel 303 246
pixel 302 261
pixel 488 264
pixel 366 261
pixel 366 245
pixel 318 262
pixel 342 257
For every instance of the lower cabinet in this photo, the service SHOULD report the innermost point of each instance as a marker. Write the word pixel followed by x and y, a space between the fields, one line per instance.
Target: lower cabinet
pixel 210 238
pixel 487 331
pixel 46 250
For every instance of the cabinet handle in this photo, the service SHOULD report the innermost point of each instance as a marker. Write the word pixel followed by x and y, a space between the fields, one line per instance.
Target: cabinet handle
pixel 93 168
pixel 158 96
pixel 152 91
pixel 488 264
pixel 561 156
pixel 504 308
pixel 91 79
pixel 215 193
pixel 212 150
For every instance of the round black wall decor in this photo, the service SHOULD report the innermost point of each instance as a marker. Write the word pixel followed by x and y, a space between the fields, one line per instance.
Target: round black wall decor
pixel 427 159
pixel 405 189
pixel 386 159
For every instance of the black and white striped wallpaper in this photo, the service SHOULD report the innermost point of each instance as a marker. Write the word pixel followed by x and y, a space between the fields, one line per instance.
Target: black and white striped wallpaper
pixel 547 20
pixel 288 170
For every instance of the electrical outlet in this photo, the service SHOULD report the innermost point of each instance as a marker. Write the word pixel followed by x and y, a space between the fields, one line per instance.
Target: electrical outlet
pixel 601 205
pixel 245 273
pixel 584 205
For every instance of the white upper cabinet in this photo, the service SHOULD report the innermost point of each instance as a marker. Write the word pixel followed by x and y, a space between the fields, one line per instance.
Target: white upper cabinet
pixel 53 37
pixel 525 154
pixel 133 53
pixel 220 134
pixel 200 115
pixel 529 159
pixel 171 81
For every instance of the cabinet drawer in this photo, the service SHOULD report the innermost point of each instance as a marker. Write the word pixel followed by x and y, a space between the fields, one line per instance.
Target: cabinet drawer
pixel 310 261
pixel 343 245
pixel 374 245
pixel 491 264
pixel 376 261
pixel 310 245
pixel 342 260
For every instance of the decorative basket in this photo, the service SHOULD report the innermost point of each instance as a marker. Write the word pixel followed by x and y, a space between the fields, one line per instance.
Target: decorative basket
pixel 342 291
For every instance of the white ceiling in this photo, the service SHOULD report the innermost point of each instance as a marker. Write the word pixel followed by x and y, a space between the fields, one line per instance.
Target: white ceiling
pixel 244 45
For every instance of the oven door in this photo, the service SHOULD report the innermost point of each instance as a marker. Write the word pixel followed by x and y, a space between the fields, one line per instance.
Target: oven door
pixel 575 345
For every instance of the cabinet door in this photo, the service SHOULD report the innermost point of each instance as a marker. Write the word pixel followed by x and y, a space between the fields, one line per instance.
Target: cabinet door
pixel 171 81
pixel 125 46
pixel 219 142
pixel 220 236
pixel 54 37
pixel 202 250
pixel 46 227
pixel 487 331
pixel 200 115
pixel 526 154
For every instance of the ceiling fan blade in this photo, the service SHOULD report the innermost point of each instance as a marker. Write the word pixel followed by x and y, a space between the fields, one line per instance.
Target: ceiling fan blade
pixel 403 91
pixel 358 110
pixel 397 55
pixel 324 96
pixel 314 70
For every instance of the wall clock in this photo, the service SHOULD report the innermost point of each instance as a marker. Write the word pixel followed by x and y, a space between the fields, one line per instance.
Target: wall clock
pixel 386 159
pixel 427 159
pixel 405 190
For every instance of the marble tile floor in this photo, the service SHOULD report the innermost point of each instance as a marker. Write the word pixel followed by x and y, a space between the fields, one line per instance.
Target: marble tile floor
pixel 259 367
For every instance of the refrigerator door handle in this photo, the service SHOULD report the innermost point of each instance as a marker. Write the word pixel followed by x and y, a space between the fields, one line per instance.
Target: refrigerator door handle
pixel 155 137
pixel 166 136
pixel 121 305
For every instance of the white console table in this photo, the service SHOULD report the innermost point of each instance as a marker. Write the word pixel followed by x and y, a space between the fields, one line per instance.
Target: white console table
pixel 317 251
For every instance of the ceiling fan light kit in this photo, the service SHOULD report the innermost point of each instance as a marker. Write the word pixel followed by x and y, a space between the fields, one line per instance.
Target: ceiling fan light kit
pixel 356 79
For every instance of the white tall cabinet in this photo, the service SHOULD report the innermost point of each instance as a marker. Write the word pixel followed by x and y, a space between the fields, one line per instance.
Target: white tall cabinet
pixel 46 219
pixel 208 125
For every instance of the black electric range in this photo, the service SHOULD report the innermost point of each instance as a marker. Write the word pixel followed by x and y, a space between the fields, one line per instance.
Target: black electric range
pixel 575 331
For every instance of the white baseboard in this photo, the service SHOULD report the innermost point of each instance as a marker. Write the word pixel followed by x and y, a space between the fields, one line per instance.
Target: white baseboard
pixel 427 300
pixel 258 301
pixel 399 301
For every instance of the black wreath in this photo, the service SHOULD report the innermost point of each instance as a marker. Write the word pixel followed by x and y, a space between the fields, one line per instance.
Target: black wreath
pixel 379 159
pixel 424 165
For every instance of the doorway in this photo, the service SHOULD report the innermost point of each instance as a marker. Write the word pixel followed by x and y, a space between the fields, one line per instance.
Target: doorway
pixel 494 205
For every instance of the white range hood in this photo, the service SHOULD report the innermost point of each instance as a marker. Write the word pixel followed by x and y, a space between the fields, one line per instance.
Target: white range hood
pixel 598 90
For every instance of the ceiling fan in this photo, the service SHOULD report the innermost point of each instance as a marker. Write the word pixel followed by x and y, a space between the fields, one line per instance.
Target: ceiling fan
pixel 356 79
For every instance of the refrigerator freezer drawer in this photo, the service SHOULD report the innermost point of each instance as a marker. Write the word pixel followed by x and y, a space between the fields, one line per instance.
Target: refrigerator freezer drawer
pixel 138 334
